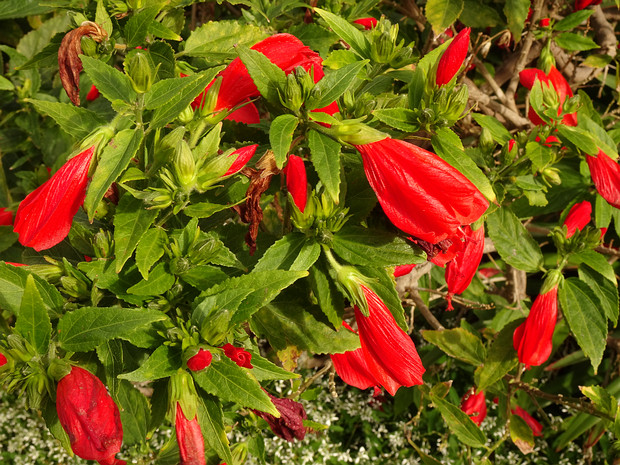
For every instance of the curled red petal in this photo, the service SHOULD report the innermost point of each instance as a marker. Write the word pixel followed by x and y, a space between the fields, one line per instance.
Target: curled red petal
pixel 462 268
pixel 297 181
pixel 605 173
pixel 242 156
pixel 6 217
pixel 578 217
pixel 531 422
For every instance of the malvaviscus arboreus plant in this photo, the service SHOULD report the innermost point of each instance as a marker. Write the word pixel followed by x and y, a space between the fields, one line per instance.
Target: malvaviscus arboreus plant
pixel 150 250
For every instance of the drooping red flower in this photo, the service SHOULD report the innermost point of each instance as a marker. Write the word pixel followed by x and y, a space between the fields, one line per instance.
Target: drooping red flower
pixel 6 217
pixel 90 417
pixel 531 422
pixel 366 23
pixel 419 192
pixel 533 338
pixel 390 353
pixel 297 181
pixel 462 268
pixel 578 217
pixel 474 405
pixel 200 361
pixel 605 174
pixel 402 270
pixel 243 155
pixel 190 439
pixel 238 355
pixel 44 217
pixel 581 4
pixel 290 424
pixel 352 367
pixel 93 93
pixel 453 58
pixel 528 77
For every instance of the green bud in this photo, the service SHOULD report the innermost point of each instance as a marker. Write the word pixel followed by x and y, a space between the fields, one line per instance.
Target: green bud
pixel 214 328
pixel 139 70
pixel 551 175
pixel 182 390
pixel 47 272
pixel 179 265
pixel 186 115
pixel 102 243
pixel 486 142
pixel 185 167
pixel 404 57
pixel 209 101
pixel 239 453
pixel 382 48
pixel 58 369
pixel 356 133
pixel 89 47
pixel 74 287
pixel 292 98
pixel 554 279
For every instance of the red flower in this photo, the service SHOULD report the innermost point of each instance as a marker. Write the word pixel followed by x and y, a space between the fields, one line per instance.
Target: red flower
pixel 419 192
pixel 474 405
pixel 3 359
pixel 554 79
pixel 367 23
pixel 545 22
pixel 296 181
pixel 402 270
pixel 533 424
pixel 44 217
pixel 238 355
pixel 390 353
pixel 453 58
pixel 6 217
pixel 200 361
pixel 93 93
pixel 243 155
pixel 581 4
pixel 290 424
pixel 90 417
pixel 352 367
pixel 462 268
pixel 578 217
pixel 533 338
pixel 605 173
pixel 190 440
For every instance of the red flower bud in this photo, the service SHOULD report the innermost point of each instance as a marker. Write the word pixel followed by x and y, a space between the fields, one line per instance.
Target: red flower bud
pixel 511 144
pixel 474 405
pixel 533 338
pixel 453 58
pixel 296 181
pixel 6 217
pixel 238 355
pixel 605 173
pixel 419 192
pixel 44 217
pixel 367 23
pixel 545 22
pixel 93 93
pixel 527 77
pixel 290 424
pixel 578 217
pixel 243 155
pixel 3 359
pixel 402 270
pixel 200 361
pixel 533 424
pixel 190 439
pixel 462 268
pixel 90 417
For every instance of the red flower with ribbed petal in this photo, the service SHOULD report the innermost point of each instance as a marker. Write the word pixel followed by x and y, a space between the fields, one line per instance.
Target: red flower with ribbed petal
pixel 297 181
pixel 238 355
pixel 474 405
pixel 578 217
pixel 605 174
pixel 462 268
pixel 352 367
pixel 190 439
pixel 453 58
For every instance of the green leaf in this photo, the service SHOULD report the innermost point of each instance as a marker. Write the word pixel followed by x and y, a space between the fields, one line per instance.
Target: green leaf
pixel 286 324
pixel 572 20
pixel 211 419
pixel 138 26
pixel 295 252
pixel 13 281
pixel 596 261
pixel 442 13
pixel 402 119
pixel 35 41
pixel 75 121
pixel 10 9
pixel 521 434
pixel 160 281
pixel 232 383
pixel 347 32
pixel 265 370
pixel 579 138
pixel 597 60
pixel 267 76
pixel 574 42
pixel 85 328
pixel 113 357
pixel 281 135
pixel 216 40
pixel 113 84
pixel 477 14
pixel 113 161
pixel 601 398
pixel 586 320
pixel 219 298
pixel 163 362
pixel 162 55
pixel 499 133
pixel 516 13
pixel 416 88
pixel 382 282
pixel 605 290
pixel 334 84
pixel 159 30
pixel 135 414
pixel 131 221
pixel 50 415
pixel 330 300
pixel 325 156
pixel 102 18
pixel 428 61
pixel 513 242
pixel 361 246
pixel 458 343
pixel 204 209
pixel 33 322
pixel 170 97
pixel 150 249
pixel 501 358
pixel 459 423
pixel 449 147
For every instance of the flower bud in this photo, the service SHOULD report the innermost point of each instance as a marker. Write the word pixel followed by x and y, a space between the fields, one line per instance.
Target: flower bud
pixel 93 93
pixel 238 355
pixel 296 181
pixel 189 437
pixel 139 70
pixel 89 46
pixel 185 167
pixel 453 58
pixel 214 327
pixel 181 390
pixel 290 424
pixel 486 142
pixel 474 405
pixel 200 360
pixel 292 98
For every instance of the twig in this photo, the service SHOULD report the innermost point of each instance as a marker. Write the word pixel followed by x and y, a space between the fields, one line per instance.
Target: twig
pixel 424 310
pixel 482 69
pixel 496 108
pixel 312 379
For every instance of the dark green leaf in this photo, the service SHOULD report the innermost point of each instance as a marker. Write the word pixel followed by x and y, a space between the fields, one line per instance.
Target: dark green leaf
pixel 516 12
pixel 499 133
pixel 33 322
pixel 459 423
pixel 596 261
pixel 476 13
pixel 347 32
pixel 211 419
pixel 501 358
pixel 329 298
pixel 334 84
pixel 163 362
pixel 75 121
pixel 416 88
pixel 442 13
pixel 281 135
pixel 574 42
pixel 13 282
pixel 573 20
pixel 135 414
pixel 10 9
pixel 150 249
pixel 265 370
pixel 295 252
pixel 267 76
pixel 325 156
pixel 112 84
pixel 217 299
pixel 160 281
pixel 113 357
pixel 402 119
pixel 162 55
pixel 604 289
pixel 138 26
pixel 216 40
pixel 204 209
pixel 458 343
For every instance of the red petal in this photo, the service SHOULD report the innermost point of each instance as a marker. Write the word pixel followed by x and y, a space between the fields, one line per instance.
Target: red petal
pixel 243 155
pixel 578 217
pixel 453 58
pixel 462 268
pixel 296 181
pixel 605 173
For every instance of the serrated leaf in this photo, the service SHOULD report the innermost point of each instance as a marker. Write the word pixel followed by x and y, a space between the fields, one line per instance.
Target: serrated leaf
pixel 216 40
pixel 512 241
pixel 162 55
pixel 330 300
pixel 458 343
pixel 334 84
pixel 112 162
pixel 265 370
pixel 573 20
pixel 579 137
pixel 75 121
pixel 160 281
pixel 281 135
pixel 499 133
pixel 521 434
pixel 131 221
pixel 102 18
pixel 10 9
pixel 402 119
pixel 295 252
pixel 232 383
pixel 596 261
pixel 267 76
pixel 33 322
pixel 150 249
pixel 111 83
pixel 38 38
pixel 442 13
pixel 516 13
pixel 138 25
pixel 163 362
pixel 204 209
pixel 13 281
pixel 219 298
pixel 85 328
pixel 159 30
pixel 604 289
pixel 501 359
pixel 459 423
pixel 325 157
pixel 601 398
pixel 587 322
pixel 135 414
pixel 113 358
pixel 211 419
pixel 574 42
pixel 346 31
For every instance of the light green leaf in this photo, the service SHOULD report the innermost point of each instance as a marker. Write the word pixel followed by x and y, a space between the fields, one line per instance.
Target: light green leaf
pixel 325 156
pixel 334 84
pixel 102 18
pixel 442 13
pixel 10 9
pixel 113 357
pixel 135 414
pixel 160 281
pixel 346 31
pixel 211 419
pixel 138 25
pixel 295 252
pixel 33 322
pixel 204 209
pixel 216 40
pixel 516 13
pixel 265 370
pixel 574 42
pixel 5 84
pixel 150 249
pixel 521 434
pixel 329 298
pixel 458 343
pixel 580 138
pixel 113 84
pixel 573 20
pixel 267 76
pixel 163 362
pixel 75 121
pixel 402 119
pixel 596 261
pixel 13 281
pixel 281 135
pixel 459 423
pixel 499 133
